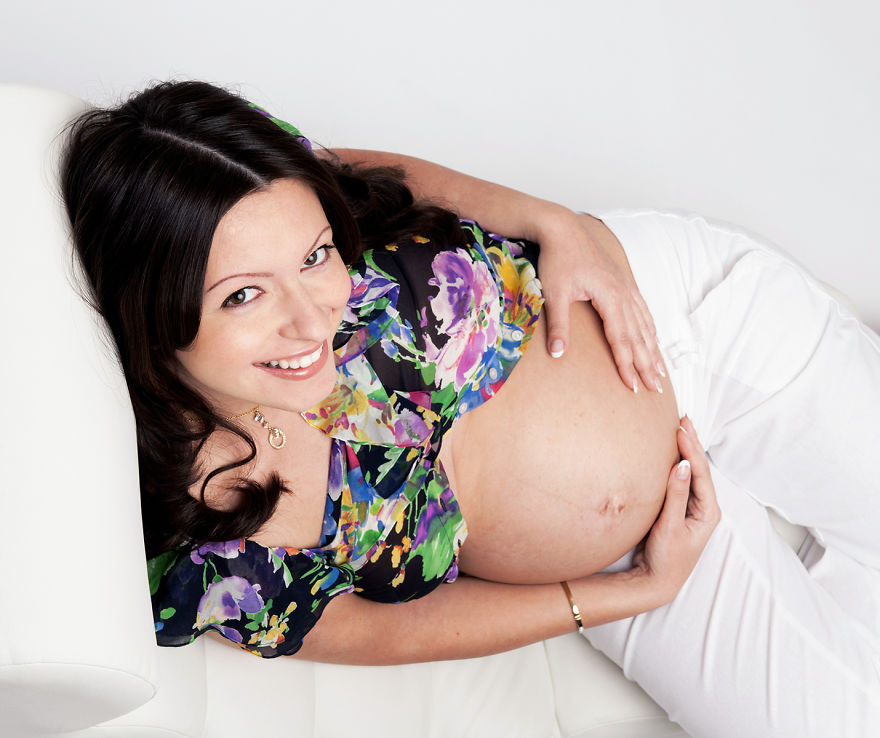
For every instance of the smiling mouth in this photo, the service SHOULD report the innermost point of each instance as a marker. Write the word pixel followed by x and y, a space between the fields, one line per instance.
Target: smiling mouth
pixel 301 362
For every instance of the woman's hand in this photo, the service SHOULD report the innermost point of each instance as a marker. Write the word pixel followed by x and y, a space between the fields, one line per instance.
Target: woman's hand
pixel 689 515
pixel 574 267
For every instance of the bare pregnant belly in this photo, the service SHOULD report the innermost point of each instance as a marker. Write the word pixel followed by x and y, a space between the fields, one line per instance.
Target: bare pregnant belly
pixel 565 469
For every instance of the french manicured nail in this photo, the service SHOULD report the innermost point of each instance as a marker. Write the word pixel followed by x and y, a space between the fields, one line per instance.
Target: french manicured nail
pixel 660 370
pixel 658 385
pixel 557 348
pixel 683 470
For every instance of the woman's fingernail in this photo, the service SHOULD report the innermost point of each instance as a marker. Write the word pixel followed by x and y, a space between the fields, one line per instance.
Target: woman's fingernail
pixel 557 348
pixel 658 385
pixel 635 388
pixel 682 428
pixel 660 370
pixel 683 470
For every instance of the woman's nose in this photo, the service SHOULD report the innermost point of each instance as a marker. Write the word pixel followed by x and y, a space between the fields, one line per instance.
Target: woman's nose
pixel 303 315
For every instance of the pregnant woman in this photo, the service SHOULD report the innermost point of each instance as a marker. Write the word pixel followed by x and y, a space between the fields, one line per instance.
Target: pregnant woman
pixel 315 421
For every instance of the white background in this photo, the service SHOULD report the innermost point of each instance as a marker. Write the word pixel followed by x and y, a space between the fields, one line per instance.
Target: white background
pixel 762 112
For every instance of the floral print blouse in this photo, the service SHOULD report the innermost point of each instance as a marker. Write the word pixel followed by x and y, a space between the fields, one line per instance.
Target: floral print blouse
pixel 429 333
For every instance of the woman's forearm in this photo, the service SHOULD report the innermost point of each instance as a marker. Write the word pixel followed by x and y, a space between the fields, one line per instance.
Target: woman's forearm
pixel 469 618
pixel 497 208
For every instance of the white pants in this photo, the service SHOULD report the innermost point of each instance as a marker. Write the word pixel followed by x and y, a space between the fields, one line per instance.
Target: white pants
pixel 783 386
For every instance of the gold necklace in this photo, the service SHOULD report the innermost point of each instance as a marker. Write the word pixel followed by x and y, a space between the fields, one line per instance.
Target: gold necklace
pixel 277 437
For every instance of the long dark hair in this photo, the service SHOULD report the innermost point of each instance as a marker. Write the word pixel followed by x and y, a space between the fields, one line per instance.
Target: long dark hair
pixel 145 185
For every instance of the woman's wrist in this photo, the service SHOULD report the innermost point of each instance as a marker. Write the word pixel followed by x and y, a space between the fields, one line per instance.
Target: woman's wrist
pixel 607 596
pixel 575 609
pixel 644 590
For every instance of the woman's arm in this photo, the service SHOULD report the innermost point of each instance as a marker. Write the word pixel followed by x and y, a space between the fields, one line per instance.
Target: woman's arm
pixel 470 617
pixel 500 209
pixel 572 266
pixel 473 617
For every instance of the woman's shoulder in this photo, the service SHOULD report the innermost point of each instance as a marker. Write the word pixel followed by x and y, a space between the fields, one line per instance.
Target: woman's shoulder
pixel 446 320
pixel 413 259
pixel 416 277
pixel 258 596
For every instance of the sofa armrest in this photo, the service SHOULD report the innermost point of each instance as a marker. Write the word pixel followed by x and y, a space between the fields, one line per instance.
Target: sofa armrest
pixel 76 639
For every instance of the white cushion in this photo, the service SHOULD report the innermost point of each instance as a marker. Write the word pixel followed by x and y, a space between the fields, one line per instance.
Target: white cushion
pixel 506 695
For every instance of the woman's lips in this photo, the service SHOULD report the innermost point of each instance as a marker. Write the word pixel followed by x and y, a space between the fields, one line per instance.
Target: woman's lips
pixel 301 372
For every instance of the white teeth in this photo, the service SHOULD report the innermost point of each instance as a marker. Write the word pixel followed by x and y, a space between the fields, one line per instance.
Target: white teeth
pixel 302 363
pixel 310 359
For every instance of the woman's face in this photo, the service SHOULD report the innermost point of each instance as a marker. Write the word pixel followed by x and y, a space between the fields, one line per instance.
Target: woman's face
pixel 274 293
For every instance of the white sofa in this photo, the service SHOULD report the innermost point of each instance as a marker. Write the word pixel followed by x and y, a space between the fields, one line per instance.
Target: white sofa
pixel 77 654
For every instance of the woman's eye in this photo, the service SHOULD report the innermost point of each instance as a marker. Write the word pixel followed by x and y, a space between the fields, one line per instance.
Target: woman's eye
pixel 318 256
pixel 241 297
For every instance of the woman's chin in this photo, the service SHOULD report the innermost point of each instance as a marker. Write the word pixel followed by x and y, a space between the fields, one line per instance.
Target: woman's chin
pixel 319 389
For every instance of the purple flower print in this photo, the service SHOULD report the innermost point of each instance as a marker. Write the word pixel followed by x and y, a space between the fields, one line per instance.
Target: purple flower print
pixel 410 427
pixel 468 309
pixel 224 549
pixel 368 289
pixel 226 600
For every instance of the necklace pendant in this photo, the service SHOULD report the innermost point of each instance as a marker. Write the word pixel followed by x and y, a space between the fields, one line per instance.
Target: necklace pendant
pixel 277 438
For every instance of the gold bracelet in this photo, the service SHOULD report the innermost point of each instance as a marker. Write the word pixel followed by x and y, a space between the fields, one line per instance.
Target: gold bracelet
pixel 575 610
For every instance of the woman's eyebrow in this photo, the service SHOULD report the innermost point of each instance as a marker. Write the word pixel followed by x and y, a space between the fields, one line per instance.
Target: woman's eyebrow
pixel 265 274
pixel 233 276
